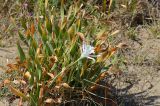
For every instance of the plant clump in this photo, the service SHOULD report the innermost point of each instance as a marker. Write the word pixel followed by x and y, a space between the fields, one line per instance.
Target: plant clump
pixel 62 62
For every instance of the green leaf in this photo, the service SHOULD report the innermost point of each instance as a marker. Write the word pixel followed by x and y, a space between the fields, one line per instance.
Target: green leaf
pixel 23 22
pixel 32 53
pixel 39 72
pixel 21 53
pixel 34 43
pixel 49 25
pixel 56 30
pixel 39 28
pixel 104 5
pixel 112 5
pixel 44 36
pixel 74 49
pixel 33 99
pixel 31 80
pixel 49 49
pixel 23 38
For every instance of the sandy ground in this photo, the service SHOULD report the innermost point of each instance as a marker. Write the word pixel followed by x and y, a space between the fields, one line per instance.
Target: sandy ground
pixel 141 77
pixel 7 56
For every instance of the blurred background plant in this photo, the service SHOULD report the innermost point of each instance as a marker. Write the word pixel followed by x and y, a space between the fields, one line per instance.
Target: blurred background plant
pixel 11 13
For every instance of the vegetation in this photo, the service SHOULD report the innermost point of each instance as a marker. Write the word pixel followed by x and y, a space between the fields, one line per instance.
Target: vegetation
pixel 70 49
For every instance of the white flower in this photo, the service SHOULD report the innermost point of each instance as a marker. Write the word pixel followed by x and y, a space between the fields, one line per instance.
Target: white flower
pixel 87 51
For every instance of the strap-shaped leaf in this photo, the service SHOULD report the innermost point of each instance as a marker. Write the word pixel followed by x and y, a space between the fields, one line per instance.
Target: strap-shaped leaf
pixel 39 72
pixel 23 22
pixel 23 38
pixel 49 49
pixel 39 28
pixel 21 53
pixel 104 5
pixel 49 25
pixel 44 36
pixel 32 52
